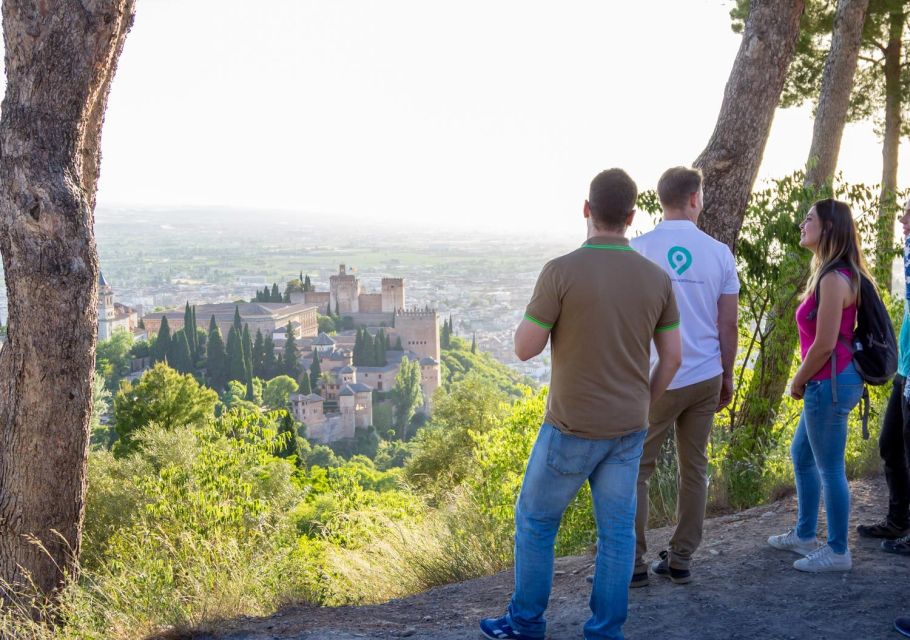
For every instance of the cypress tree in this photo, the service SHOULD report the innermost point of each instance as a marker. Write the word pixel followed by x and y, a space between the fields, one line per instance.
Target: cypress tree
pixel 178 355
pixel 474 343
pixel 369 350
pixel 238 323
pixel 188 329
pixel 358 349
pixel 315 372
pixel 291 355
pixel 236 366
pixel 197 343
pixel 216 357
pixel 258 355
pixel 301 280
pixel 398 345
pixel 249 390
pixel 141 324
pixel 305 387
pixel 307 285
pixel 276 294
pixel 381 345
pixel 163 342
pixel 269 363
pixel 247 343
pixel 337 313
pixel 288 429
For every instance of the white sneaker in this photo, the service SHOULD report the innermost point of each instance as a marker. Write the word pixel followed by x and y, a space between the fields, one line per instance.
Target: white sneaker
pixel 824 559
pixel 791 542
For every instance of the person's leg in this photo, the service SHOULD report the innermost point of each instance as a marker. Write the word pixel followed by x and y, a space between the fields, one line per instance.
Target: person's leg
pixel 827 433
pixel 613 492
pixel 901 493
pixel 693 429
pixel 892 450
pixel 558 466
pixel 663 415
pixel 808 485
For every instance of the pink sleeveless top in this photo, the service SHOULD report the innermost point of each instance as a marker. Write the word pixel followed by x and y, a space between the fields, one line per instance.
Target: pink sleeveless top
pixel 807 327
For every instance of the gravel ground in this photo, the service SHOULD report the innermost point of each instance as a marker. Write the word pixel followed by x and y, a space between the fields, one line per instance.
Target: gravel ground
pixel 741 589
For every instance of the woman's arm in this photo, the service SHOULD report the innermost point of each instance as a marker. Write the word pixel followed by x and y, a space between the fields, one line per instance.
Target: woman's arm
pixel 836 293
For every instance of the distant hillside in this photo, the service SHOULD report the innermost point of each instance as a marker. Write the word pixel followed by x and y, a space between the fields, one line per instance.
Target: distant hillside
pixel 457 361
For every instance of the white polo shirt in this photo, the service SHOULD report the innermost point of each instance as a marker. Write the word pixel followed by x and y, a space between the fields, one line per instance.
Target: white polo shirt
pixel 701 270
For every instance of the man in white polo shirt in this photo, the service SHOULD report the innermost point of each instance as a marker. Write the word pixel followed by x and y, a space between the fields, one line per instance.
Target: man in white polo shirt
pixel 706 286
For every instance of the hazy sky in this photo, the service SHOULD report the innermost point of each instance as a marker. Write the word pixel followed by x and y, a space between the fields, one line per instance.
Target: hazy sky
pixel 492 114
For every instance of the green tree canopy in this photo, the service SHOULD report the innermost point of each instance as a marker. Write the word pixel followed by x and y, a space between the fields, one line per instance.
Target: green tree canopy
pixel 277 390
pixel 113 357
pixel 162 396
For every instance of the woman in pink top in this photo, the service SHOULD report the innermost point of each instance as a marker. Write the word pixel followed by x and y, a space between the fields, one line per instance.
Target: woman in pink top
pixel 825 334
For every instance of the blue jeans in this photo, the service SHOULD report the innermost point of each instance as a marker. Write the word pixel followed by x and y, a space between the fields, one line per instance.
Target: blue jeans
pixel 557 469
pixel 818 456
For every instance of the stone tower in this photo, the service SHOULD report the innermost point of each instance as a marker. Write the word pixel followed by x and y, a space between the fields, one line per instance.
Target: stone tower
pixel 344 292
pixel 106 310
pixel 419 331
pixel 392 294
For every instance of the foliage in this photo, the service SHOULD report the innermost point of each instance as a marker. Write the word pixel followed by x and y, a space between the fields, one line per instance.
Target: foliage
pixel 458 360
pixel 277 390
pixel 406 394
pixel 326 324
pixel 161 396
pixel 113 358
pixel 291 364
pixel 443 450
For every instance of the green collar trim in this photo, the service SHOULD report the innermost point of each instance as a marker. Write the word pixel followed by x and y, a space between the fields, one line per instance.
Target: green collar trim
pixel 608 247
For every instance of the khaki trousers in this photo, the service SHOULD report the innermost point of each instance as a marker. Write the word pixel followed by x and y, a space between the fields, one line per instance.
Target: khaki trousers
pixel 691 409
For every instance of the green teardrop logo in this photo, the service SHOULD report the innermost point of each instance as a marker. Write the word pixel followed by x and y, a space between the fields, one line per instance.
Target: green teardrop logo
pixel 680 259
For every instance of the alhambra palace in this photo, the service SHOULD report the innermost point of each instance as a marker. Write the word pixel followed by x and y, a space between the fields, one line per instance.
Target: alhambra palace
pixel 346 394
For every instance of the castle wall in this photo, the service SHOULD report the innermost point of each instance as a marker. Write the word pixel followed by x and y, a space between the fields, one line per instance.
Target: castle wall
pixel 392 295
pixel 419 331
pixel 369 303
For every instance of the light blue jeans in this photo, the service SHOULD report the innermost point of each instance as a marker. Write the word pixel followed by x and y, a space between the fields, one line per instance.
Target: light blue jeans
pixel 558 467
pixel 818 456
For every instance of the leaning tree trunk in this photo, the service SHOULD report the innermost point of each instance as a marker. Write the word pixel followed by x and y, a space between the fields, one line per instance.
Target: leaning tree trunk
pixel 766 389
pixel 888 205
pixel 731 160
pixel 60 59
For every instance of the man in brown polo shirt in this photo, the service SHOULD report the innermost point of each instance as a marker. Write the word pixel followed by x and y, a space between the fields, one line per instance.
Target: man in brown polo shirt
pixel 600 306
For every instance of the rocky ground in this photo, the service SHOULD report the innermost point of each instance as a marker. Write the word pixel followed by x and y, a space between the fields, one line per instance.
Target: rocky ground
pixel 741 589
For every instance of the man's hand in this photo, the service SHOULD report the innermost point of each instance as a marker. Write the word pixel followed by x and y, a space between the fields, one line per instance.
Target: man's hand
pixel 726 393
pixel 797 390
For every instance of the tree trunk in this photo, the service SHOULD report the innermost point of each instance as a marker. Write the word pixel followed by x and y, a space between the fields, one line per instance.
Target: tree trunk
pixel 731 160
pixel 776 358
pixel 60 60
pixel 888 207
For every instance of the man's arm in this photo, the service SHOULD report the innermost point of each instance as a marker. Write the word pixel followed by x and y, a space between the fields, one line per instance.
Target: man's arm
pixel 530 339
pixel 669 357
pixel 728 331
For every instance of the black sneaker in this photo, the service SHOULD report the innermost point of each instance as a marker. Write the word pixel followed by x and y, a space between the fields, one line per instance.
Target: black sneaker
pixel 884 529
pixel 662 568
pixel 900 546
pixel 638 580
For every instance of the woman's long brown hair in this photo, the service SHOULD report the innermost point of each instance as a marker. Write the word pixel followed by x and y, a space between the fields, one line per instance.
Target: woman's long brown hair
pixel 839 242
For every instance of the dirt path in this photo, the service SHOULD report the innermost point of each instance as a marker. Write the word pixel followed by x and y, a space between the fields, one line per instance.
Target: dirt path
pixel 742 589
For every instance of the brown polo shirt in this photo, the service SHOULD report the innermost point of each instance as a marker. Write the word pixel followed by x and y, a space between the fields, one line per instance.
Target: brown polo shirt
pixel 603 304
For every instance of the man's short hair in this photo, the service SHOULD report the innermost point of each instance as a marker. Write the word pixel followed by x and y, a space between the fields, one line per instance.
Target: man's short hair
pixel 676 185
pixel 612 198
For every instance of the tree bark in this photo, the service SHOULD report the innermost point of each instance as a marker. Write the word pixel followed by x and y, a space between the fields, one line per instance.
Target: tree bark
pixel 776 358
pixel 888 205
pixel 732 158
pixel 60 59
